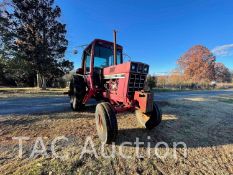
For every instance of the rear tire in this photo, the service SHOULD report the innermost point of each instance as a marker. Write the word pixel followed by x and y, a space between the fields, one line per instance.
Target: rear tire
pixel 77 92
pixel 75 104
pixel 106 123
pixel 150 120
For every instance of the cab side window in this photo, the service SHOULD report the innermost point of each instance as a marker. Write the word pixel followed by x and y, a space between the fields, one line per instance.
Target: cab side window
pixel 87 62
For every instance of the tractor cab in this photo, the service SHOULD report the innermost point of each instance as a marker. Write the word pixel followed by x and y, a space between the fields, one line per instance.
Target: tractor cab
pixel 96 57
pixel 100 54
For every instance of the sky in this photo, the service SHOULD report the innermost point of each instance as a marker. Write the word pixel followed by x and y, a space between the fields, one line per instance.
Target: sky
pixel 156 32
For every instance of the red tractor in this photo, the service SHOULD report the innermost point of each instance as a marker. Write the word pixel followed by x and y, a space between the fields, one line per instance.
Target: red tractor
pixel 117 86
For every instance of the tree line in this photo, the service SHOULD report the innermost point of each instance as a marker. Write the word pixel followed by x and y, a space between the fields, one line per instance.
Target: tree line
pixel 197 68
pixel 32 43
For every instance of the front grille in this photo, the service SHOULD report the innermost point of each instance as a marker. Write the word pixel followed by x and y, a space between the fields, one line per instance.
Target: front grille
pixel 136 83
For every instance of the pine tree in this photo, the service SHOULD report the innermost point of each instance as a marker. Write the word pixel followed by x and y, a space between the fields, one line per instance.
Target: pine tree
pixel 6 41
pixel 40 38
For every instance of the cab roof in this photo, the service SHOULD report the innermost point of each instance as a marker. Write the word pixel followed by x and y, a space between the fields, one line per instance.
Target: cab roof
pixel 100 41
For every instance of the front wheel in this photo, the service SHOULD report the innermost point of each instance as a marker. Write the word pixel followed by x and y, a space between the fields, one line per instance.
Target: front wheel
pixel 149 120
pixel 106 122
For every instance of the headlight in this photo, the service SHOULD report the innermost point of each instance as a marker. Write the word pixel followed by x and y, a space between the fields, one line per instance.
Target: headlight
pixel 134 67
pixel 146 69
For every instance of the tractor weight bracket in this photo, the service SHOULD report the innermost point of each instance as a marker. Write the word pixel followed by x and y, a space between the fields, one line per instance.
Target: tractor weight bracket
pixel 144 100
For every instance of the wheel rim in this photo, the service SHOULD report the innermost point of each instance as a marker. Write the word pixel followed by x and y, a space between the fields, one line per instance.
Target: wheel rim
pixel 74 102
pixel 100 123
pixel 142 118
pixel 145 117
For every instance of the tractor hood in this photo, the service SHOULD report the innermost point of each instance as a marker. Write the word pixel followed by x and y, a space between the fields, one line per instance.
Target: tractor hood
pixel 127 67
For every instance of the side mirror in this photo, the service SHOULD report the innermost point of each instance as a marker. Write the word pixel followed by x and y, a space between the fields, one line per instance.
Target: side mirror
pixel 79 71
pixel 75 52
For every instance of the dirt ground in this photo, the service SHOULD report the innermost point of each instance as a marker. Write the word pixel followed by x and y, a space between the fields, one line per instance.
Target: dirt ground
pixel 204 124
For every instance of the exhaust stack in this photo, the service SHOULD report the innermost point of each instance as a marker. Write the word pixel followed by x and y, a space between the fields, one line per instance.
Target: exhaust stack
pixel 115 46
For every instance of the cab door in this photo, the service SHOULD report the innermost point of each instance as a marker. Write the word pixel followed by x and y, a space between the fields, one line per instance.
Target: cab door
pixel 87 65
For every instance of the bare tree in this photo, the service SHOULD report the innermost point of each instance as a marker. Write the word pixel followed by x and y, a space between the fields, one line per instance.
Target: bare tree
pixel 176 78
pixel 222 73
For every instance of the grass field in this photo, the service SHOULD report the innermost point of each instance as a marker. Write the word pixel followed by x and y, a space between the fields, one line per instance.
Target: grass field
pixel 219 86
pixel 6 92
pixel 204 124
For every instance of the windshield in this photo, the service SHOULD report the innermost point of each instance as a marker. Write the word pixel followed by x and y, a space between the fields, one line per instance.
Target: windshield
pixel 104 57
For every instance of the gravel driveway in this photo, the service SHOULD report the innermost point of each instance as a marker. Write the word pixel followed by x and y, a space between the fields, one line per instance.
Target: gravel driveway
pixel 203 120
pixel 49 104
pixel 31 105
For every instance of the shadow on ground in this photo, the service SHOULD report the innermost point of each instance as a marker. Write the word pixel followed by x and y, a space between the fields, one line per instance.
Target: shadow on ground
pixel 196 123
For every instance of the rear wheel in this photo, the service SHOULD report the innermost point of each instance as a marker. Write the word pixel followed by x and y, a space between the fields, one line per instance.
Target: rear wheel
pixel 77 92
pixel 149 120
pixel 106 122
pixel 76 104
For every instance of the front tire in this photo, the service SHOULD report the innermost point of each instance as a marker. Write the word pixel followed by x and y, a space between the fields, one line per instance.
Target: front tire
pixel 106 123
pixel 150 120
